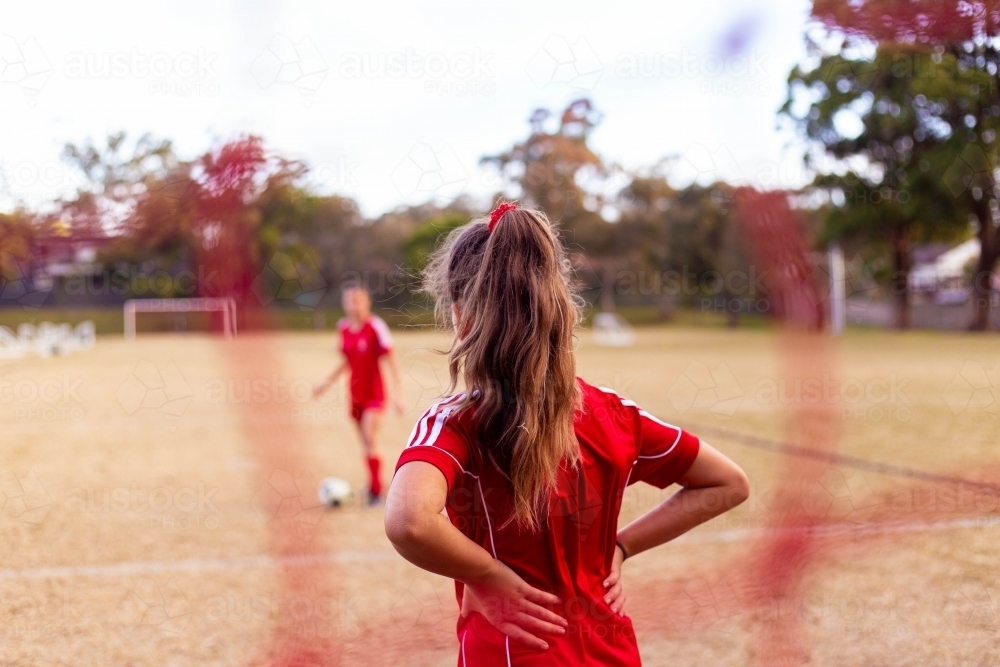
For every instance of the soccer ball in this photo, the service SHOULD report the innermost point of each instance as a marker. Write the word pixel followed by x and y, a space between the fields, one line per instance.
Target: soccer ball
pixel 333 491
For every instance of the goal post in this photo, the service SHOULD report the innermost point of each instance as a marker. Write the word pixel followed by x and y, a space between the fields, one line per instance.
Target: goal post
pixel 224 305
pixel 838 292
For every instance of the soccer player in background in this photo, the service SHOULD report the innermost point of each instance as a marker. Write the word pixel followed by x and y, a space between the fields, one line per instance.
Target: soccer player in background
pixel 365 344
pixel 531 462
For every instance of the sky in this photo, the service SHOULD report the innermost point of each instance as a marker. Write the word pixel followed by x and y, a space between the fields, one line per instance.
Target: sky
pixel 395 103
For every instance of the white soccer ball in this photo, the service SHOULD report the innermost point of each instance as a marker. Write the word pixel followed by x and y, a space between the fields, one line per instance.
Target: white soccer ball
pixel 333 491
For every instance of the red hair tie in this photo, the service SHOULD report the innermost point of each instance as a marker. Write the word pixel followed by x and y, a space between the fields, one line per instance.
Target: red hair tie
pixel 499 211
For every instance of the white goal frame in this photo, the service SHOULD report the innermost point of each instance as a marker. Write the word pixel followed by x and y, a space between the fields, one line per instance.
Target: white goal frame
pixel 225 305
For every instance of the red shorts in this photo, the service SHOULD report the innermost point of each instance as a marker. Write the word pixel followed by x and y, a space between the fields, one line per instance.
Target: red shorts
pixel 357 409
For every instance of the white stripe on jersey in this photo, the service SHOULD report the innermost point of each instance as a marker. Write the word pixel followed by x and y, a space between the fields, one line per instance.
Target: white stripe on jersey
pixel 430 415
pixel 420 437
pixel 669 449
pixel 642 413
pixel 381 332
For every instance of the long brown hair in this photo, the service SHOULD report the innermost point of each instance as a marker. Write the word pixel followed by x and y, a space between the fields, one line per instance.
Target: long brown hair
pixel 513 347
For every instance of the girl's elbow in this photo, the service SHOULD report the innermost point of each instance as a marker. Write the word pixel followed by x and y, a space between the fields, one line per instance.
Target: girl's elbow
pixel 739 488
pixel 403 529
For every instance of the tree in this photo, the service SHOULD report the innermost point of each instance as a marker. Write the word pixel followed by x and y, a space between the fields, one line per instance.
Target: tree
pixel 114 179
pixel 692 239
pixel 551 170
pixel 876 116
pixel 427 236
pixel 17 232
pixel 966 35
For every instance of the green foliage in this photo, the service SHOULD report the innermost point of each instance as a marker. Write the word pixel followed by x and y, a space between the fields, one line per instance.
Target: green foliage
pixel 426 237
pixel 883 145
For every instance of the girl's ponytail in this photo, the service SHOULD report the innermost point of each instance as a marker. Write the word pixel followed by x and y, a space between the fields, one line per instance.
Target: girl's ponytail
pixel 516 313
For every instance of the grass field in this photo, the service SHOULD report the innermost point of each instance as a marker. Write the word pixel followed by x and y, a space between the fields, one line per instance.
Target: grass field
pixel 138 503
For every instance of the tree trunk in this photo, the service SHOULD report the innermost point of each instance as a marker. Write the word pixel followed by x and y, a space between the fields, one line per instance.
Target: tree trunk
pixel 667 303
pixel 902 262
pixel 732 311
pixel 982 293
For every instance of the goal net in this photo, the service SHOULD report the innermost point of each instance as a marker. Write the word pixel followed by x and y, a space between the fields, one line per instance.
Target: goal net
pixel 226 306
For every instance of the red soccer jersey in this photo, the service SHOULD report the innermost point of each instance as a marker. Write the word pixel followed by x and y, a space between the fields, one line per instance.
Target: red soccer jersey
pixel 363 347
pixel 570 555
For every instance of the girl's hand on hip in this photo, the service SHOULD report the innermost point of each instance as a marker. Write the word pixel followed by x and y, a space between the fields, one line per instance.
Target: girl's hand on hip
pixel 513 607
pixel 615 596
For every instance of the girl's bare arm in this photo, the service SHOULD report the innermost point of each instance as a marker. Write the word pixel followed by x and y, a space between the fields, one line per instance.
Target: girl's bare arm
pixel 396 375
pixel 423 535
pixel 337 372
pixel 712 486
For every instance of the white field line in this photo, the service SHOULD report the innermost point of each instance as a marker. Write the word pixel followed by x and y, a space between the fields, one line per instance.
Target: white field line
pixel 837 530
pixel 194 565
pixel 209 564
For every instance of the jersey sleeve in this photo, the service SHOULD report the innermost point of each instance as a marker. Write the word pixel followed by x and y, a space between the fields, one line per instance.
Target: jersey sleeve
pixel 666 452
pixel 663 452
pixel 382 334
pixel 434 440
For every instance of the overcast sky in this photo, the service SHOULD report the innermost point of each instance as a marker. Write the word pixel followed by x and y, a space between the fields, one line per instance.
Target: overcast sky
pixel 395 102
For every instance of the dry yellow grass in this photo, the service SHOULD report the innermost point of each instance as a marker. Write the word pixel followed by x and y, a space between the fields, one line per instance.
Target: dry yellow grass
pixel 135 518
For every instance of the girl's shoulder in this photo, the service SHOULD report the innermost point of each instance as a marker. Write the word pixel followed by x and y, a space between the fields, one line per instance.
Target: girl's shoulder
pixel 595 398
pixel 452 412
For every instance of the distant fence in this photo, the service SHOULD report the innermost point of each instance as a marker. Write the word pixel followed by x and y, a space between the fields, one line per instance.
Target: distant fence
pixel 954 317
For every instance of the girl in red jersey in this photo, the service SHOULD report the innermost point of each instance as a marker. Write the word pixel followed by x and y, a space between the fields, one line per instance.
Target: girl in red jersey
pixel 365 342
pixel 531 463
